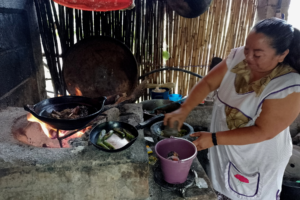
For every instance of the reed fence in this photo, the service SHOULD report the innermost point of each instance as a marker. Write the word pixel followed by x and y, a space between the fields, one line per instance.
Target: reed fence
pixel 149 29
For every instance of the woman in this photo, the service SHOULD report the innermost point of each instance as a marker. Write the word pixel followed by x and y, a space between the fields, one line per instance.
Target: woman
pixel 258 98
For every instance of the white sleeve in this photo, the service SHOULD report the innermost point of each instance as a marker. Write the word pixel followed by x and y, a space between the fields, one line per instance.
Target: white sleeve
pixel 235 57
pixel 283 86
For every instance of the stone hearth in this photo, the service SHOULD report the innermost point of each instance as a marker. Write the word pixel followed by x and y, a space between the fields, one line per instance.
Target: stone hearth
pixel 80 172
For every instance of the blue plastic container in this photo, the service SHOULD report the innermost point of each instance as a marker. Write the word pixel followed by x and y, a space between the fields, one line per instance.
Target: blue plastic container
pixel 175 97
pixel 159 95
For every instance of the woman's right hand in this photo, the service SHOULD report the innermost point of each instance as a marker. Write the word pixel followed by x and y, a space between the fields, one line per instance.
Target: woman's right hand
pixel 178 115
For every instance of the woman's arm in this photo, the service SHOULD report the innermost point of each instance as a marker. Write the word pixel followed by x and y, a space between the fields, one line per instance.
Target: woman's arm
pixel 208 84
pixel 276 115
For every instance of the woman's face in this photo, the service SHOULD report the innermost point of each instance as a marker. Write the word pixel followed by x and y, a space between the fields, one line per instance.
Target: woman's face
pixel 260 56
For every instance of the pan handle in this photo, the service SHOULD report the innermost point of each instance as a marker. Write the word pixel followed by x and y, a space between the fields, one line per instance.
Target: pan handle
pixel 29 108
pixel 150 121
pixel 103 99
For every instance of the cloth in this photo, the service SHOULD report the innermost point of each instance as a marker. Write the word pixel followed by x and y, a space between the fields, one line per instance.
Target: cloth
pixel 242 78
pixel 235 118
pixel 253 171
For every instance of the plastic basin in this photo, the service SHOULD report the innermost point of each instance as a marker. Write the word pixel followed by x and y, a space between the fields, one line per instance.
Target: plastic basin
pixel 176 172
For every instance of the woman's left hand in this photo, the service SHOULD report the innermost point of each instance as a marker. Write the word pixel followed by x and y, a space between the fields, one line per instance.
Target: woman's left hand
pixel 204 140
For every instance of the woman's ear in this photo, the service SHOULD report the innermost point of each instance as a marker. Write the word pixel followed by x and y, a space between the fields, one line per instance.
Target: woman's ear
pixel 283 55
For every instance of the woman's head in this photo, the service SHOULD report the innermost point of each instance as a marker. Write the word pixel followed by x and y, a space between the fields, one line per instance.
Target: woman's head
pixel 279 39
pixel 261 57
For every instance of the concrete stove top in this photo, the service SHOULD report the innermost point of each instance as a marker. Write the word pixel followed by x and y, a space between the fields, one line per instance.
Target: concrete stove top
pixel 82 172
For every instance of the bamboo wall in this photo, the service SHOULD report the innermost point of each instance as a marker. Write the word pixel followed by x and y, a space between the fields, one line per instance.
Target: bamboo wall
pixel 149 29
pixel 192 43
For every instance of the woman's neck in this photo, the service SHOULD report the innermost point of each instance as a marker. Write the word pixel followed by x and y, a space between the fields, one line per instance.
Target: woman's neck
pixel 254 76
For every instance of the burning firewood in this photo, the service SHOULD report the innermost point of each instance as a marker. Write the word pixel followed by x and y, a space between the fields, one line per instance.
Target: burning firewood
pixel 136 94
pixel 77 112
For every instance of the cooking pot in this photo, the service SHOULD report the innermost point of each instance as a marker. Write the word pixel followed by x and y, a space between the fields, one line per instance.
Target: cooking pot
pixel 43 109
pixel 290 189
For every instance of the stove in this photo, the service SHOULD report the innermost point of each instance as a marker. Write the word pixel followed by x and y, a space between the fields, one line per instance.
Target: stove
pixel 178 188
pixel 78 172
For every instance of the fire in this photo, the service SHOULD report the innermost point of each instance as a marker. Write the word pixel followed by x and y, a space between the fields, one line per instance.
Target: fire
pixel 52 133
pixel 78 92
pixel 76 135
pixel 48 130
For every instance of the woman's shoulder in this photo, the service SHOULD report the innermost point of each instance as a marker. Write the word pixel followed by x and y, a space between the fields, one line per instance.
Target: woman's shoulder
pixel 285 75
pixel 236 56
pixel 282 85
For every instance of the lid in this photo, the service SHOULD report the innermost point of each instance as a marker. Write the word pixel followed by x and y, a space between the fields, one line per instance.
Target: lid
pixel 100 66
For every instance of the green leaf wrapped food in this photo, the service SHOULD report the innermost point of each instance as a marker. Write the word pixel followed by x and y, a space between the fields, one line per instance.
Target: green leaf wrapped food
pixel 121 133
pixel 128 135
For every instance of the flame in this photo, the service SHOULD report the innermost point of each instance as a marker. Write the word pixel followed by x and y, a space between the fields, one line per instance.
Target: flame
pixel 80 133
pixel 76 135
pixel 46 128
pixel 78 92
pixel 51 133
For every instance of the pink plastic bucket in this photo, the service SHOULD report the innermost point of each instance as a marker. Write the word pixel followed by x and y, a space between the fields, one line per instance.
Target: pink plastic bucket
pixel 176 172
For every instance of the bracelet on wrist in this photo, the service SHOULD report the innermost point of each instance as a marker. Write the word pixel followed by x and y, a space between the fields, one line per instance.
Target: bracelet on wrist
pixel 214 139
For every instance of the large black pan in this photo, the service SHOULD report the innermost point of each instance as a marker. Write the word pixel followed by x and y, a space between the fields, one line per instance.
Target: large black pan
pixel 43 109
pixel 94 134
pixel 189 8
pixel 100 66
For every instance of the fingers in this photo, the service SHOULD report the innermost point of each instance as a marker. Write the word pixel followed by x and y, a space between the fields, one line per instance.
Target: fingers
pixel 198 146
pixel 179 125
pixel 171 118
pixel 196 134
pixel 203 141
pixel 197 142
pixel 166 119
pixel 172 122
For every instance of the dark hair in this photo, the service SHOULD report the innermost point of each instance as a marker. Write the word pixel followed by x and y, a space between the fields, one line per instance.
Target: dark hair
pixel 214 62
pixel 283 36
pixel 197 7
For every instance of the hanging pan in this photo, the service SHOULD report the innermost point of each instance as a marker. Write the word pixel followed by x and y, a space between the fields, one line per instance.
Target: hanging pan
pixel 189 8
pixel 100 66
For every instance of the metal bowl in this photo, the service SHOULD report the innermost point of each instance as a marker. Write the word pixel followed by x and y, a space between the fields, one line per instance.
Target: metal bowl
pixel 159 126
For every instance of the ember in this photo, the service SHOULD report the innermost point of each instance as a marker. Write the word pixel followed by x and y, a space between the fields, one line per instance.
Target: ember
pixel 78 92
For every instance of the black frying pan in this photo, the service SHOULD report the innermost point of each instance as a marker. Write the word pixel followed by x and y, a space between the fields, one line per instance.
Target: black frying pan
pixel 189 8
pixel 100 66
pixel 94 134
pixel 154 103
pixel 43 109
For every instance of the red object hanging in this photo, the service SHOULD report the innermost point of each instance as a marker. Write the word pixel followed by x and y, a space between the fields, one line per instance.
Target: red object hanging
pixel 96 5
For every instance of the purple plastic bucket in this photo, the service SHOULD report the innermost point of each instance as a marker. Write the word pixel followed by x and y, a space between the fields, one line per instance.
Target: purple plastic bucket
pixel 176 172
